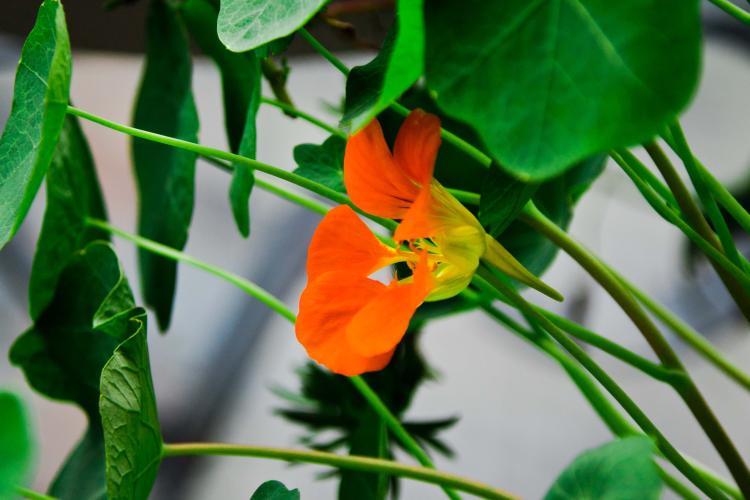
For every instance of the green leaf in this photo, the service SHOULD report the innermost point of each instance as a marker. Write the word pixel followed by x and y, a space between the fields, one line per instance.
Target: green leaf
pixel 40 99
pixel 164 175
pixel 549 83
pixel 16 444
pixel 322 163
pixel 73 194
pixel 247 24
pixel 502 199
pixel 371 88
pixel 82 475
pixel 369 438
pixel 132 439
pixel 556 198
pixel 620 470
pixel 64 351
pixel 274 490
pixel 243 177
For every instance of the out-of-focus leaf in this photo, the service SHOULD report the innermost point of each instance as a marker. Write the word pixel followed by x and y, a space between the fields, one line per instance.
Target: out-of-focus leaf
pixel 132 439
pixel 369 438
pixel 502 199
pixel 372 87
pixel 620 470
pixel 547 83
pixel 40 98
pixel 16 444
pixel 73 194
pixel 322 163
pixel 64 351
pixel 164 175
pixel 556 198
pixel 274 490
pixel 247 24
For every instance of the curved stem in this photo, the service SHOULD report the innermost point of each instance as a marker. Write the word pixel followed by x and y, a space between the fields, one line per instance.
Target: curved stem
pixel 353 462
pixel 32 495
pixel 294 111
pixel 255 291
pixel 688 391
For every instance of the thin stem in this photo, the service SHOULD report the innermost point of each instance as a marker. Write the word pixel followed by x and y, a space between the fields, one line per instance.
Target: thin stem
pixel 32 495
pixel 461 144
pixel 648 176
pixel 674 218
pixel 294 111
pixel 606 381
pixel 741 15
pixel 276 305
pixel 206 151
pixel 688 391
pixel 352 462
pixel 697 341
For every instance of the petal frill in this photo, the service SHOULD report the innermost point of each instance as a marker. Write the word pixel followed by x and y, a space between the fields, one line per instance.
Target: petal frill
pixel 379 326
pixel 373 180
pixel 343 242
pixel 327 306
pixel 417 144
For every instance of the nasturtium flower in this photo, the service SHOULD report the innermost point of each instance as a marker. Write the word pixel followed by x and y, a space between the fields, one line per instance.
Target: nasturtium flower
pixel 352 323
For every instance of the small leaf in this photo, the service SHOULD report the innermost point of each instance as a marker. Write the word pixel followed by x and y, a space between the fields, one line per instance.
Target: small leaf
pixel 73 194
pixel 243 177
pixel 322 163
pixel 620 470
pixel 548 83
pixel 16 444
pixel 372 87
pixel 274 490
pixel 503 198
pixel 40 99
pixel 132 439
pixel 556 198
pixel 247 24
pixel 164 175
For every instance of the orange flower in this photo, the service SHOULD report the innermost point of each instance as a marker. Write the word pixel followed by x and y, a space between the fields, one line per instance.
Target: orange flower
pixel 352 323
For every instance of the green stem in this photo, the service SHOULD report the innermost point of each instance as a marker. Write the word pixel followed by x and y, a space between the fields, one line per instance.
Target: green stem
pixel 276 305
pixel 294 111
pixel 741 15
pixel 461 144
pixel 206 151
pixel 645 174
pixel 32 495
pixel 669 451
pixel 674 218
pixel 352 462
pixel 688 391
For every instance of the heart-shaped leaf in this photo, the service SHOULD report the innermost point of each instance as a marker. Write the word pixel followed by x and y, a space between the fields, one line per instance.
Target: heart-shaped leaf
pixel 40 99
pixel 322 163
pixel 274 490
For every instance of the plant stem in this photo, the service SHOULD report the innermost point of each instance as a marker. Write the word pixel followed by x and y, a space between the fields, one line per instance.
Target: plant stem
pixel 32 495
pixel 606 381
pixel 734 11
pixel 696 219
pixel 353 462
pixel 674 218
pixel 276 305
pixel 688 391
pixel 294 111
pixel 461 144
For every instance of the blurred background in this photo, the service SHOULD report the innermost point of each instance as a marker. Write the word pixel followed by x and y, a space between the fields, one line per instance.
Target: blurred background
pixel 521 419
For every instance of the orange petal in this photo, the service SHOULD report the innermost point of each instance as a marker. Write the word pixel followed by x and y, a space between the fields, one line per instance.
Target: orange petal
pixel 327 306
pixel 373 180
pixel 382 323
pixel 342 242
pixel 417 145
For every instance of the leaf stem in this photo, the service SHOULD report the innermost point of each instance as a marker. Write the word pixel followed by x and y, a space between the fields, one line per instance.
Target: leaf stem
pixel 294 111
pixel 741 15
pixel 32 495
pixel 278 306
pixel 323 51
pixel 353 462
pixel 687 390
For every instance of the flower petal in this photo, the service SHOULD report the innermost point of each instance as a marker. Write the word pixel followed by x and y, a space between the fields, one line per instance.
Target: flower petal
pixel 342 242
pixel 417 145
pixel 373 180
pixel 382 323
pixel 327 306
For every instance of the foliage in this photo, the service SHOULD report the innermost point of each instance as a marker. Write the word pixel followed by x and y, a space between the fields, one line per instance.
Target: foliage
pixel 274 490
pixel 16 444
